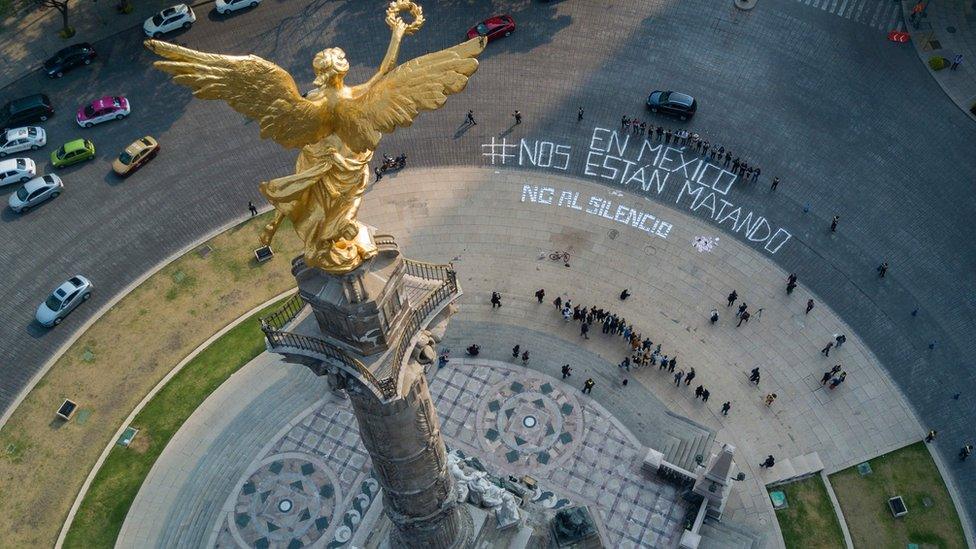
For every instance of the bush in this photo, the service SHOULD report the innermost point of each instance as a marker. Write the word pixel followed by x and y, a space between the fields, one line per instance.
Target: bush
pixel 938 63
pixel 66 32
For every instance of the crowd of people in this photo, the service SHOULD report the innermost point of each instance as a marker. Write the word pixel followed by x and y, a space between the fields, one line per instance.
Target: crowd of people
pixel 697 143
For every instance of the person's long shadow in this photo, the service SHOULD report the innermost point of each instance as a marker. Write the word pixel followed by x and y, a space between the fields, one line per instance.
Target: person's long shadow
pixel 506 131
pixel 463 129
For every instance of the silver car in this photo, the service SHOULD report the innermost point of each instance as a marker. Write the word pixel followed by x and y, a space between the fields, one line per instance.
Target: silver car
pixel 63 300
pixel 35 191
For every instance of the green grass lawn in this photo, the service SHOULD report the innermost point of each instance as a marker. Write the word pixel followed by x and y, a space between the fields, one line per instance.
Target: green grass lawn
pixel 116 484
pixel 809 521
pixel 910 473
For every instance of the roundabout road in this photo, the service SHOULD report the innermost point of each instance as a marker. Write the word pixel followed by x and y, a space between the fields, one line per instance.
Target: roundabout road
pixel 852 124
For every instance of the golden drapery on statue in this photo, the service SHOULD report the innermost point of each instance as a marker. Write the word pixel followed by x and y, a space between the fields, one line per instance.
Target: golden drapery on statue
pixel 336 126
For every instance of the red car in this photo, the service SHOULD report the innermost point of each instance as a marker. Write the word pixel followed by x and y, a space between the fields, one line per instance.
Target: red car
pixel 493 27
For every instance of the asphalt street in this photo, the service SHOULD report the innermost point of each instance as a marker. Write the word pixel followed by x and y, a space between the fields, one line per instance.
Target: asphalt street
pixel 853 124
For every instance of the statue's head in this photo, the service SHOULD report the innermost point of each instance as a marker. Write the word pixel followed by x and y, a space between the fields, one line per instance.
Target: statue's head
pixel 328 64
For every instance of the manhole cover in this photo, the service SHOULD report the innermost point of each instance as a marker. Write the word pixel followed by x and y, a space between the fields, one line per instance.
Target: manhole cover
pixel 284 505
pixel 179 276
pixel 927 502
pixel 204 251
pixel 649 250
pixel 613 234
pixel 87 356
pixel 529 421
pixel 864 469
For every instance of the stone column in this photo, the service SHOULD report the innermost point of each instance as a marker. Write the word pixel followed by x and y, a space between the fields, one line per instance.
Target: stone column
pixel 404 441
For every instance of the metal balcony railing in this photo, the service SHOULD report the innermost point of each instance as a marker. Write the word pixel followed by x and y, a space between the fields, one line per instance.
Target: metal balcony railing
pixel 273 324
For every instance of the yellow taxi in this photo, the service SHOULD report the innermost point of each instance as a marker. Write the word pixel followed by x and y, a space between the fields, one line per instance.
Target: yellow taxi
pixel 141 150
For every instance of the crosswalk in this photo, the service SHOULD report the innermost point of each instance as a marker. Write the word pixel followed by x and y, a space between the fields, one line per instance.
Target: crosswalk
pixel 884 15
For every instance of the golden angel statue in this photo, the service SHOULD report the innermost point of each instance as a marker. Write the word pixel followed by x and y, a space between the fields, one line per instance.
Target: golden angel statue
pixel 336 126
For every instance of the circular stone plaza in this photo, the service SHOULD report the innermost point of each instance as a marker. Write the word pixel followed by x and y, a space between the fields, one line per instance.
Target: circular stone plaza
pixel 750 327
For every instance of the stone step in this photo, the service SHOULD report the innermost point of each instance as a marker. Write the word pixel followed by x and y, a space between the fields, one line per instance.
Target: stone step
pixel 722 535
pixel 791 468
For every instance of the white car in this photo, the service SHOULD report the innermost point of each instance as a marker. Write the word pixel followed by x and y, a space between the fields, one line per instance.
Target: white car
pixel 17 170
pixel 22 139
pixel 179 16
pixel 226 6
pixel 35 191
pixel 63 300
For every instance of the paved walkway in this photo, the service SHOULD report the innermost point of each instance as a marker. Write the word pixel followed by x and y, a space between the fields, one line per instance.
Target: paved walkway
pixel 948 29
pixel 478 219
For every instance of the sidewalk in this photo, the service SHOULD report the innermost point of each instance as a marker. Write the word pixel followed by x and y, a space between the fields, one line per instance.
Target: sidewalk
pixel 949 28
pixel 28 39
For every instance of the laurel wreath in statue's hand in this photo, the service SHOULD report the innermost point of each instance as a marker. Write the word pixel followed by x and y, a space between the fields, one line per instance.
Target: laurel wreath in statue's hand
pixel 394 21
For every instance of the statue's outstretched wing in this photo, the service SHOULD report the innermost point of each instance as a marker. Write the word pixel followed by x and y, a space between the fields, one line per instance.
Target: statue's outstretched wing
pixel 252 86
pixel 421 84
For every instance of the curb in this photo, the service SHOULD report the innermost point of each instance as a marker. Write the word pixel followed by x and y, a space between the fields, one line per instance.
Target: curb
pixel 149 396
pixel 967 527
pixel 906 7
pixel 848 542
pixel 111 303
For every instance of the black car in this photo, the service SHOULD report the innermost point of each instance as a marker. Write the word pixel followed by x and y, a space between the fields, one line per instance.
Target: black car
pixel 669 102
pixel 25 110
pixel 69 58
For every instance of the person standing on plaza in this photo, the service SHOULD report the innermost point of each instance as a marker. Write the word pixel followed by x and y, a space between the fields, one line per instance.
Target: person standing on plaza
pixel 742 309
pixel 579 114
pixel 755 175
pixel 558 302
pixel 671 364
pixel 584 330
pixel 826 350
pixel 838 380
pixel 496 300
pixel 540 294
pixel 699 391
pixel 588 385
pixel 252 208
pixel 518 117
pixel 833 223
pixel 690 376
pixel 840 339
pixel 677 378
pixel 754 375
pixel 525 358
pixel 883 269
pixel 965 452
pixel 732 297
pixel 956 60
pixel 726 407
pixel 705 395
pixel 809 306
pixel 713 317
pixel 469 119
pixel 515 351
pixel 825 378
pixel 744 317
pixel 567 312
pixel 567 371
pixel 624 294
pixel 770 398
pixel 769 462
pixel 775 184
pixel 624 122
pixel 931 435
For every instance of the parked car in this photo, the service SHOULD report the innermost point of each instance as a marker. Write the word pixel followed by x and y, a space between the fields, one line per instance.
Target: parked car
pixel 179 16
pixel 103 110
pixel 63 300
pixel 493 27
pixel 68 58
pixel 674 103
pixel 73 152
pixel 25 110
pixel 35 191
pixel 22 139
pixel 134 156
pixel 226 6
pixel 17 170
